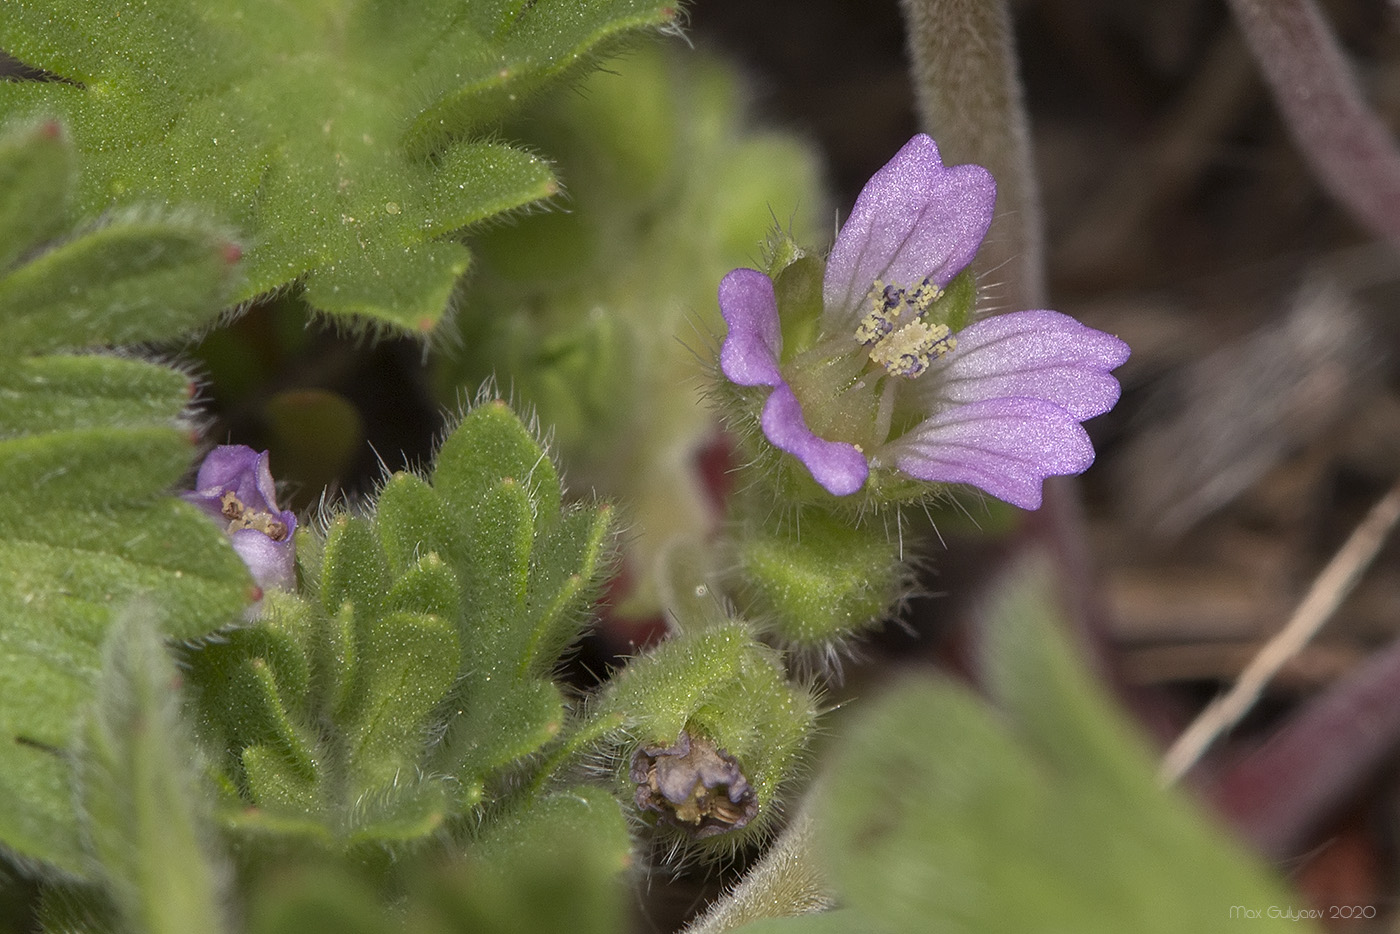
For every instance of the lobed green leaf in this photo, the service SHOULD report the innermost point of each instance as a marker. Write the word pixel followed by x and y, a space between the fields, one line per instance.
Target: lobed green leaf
pixel 343 140
pixel 89 447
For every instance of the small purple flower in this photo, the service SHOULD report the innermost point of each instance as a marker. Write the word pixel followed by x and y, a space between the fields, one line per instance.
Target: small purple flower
pixel 234 485
pixel 890 381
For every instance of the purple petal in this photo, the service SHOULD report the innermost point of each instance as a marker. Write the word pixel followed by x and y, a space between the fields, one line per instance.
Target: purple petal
pixel 914 218
pixel 1034 354
pixel 1004 446
pixel 273 564
pixel 751 349
pixel 839 467
pixel 239 468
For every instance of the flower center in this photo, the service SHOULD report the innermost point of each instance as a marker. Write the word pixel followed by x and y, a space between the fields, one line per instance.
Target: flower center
pixel 900 339
pixel 240 516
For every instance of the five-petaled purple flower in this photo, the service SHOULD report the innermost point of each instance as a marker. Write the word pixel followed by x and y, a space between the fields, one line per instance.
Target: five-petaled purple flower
pixel 234 485
pixel 886 383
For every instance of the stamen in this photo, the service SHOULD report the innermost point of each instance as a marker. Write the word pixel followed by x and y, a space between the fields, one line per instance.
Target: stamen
pixel 894 329
pixel 241 516
pixel 921 295
pixel 885 307
pixel 908 351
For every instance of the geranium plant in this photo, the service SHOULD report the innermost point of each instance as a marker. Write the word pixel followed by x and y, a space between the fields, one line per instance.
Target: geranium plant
pixel 223 712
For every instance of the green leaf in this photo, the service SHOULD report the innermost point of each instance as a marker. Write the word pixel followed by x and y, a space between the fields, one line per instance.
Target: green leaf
pixel 409 663
pixel 346 142
pixel 36 175
pixel 556 866
pixel 503 726
pixel 528 574
pixel 942 814
pixel 490 445
pixel 415 669
pixel 412 520
pixel 133 279
pixel 143 801
pixel 562 581
pixel 89 448
pixel 38 394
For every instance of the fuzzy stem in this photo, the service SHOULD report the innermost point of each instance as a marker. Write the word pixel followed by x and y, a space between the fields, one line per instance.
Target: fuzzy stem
pixel 963 63
pixel 1342 139
pixel 784 883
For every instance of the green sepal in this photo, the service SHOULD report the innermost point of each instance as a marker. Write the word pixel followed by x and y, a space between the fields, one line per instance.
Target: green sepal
pixel 798 288
pixel 815 582
pixel 37 171
pixel 780 252
pixel 720 683
pixel 659 692
pixel 134 279
pixel 142 796
pixel 954 306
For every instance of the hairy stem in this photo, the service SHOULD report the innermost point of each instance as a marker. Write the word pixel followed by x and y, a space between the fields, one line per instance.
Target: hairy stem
pixel 1342 139
pixel 963 63
pixel 784 883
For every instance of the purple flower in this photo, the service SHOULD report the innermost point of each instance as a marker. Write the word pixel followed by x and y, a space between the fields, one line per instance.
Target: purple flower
pixel 892 381
pixel 234 485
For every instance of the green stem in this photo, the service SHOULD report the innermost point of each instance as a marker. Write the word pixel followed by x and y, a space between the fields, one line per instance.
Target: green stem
pixel 786 882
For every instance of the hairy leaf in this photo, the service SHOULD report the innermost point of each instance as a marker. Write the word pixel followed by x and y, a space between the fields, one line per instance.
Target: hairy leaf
pixel 143 800
pixel 942 813
pixel 347 141
pixel 416 668
pixel 89 448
